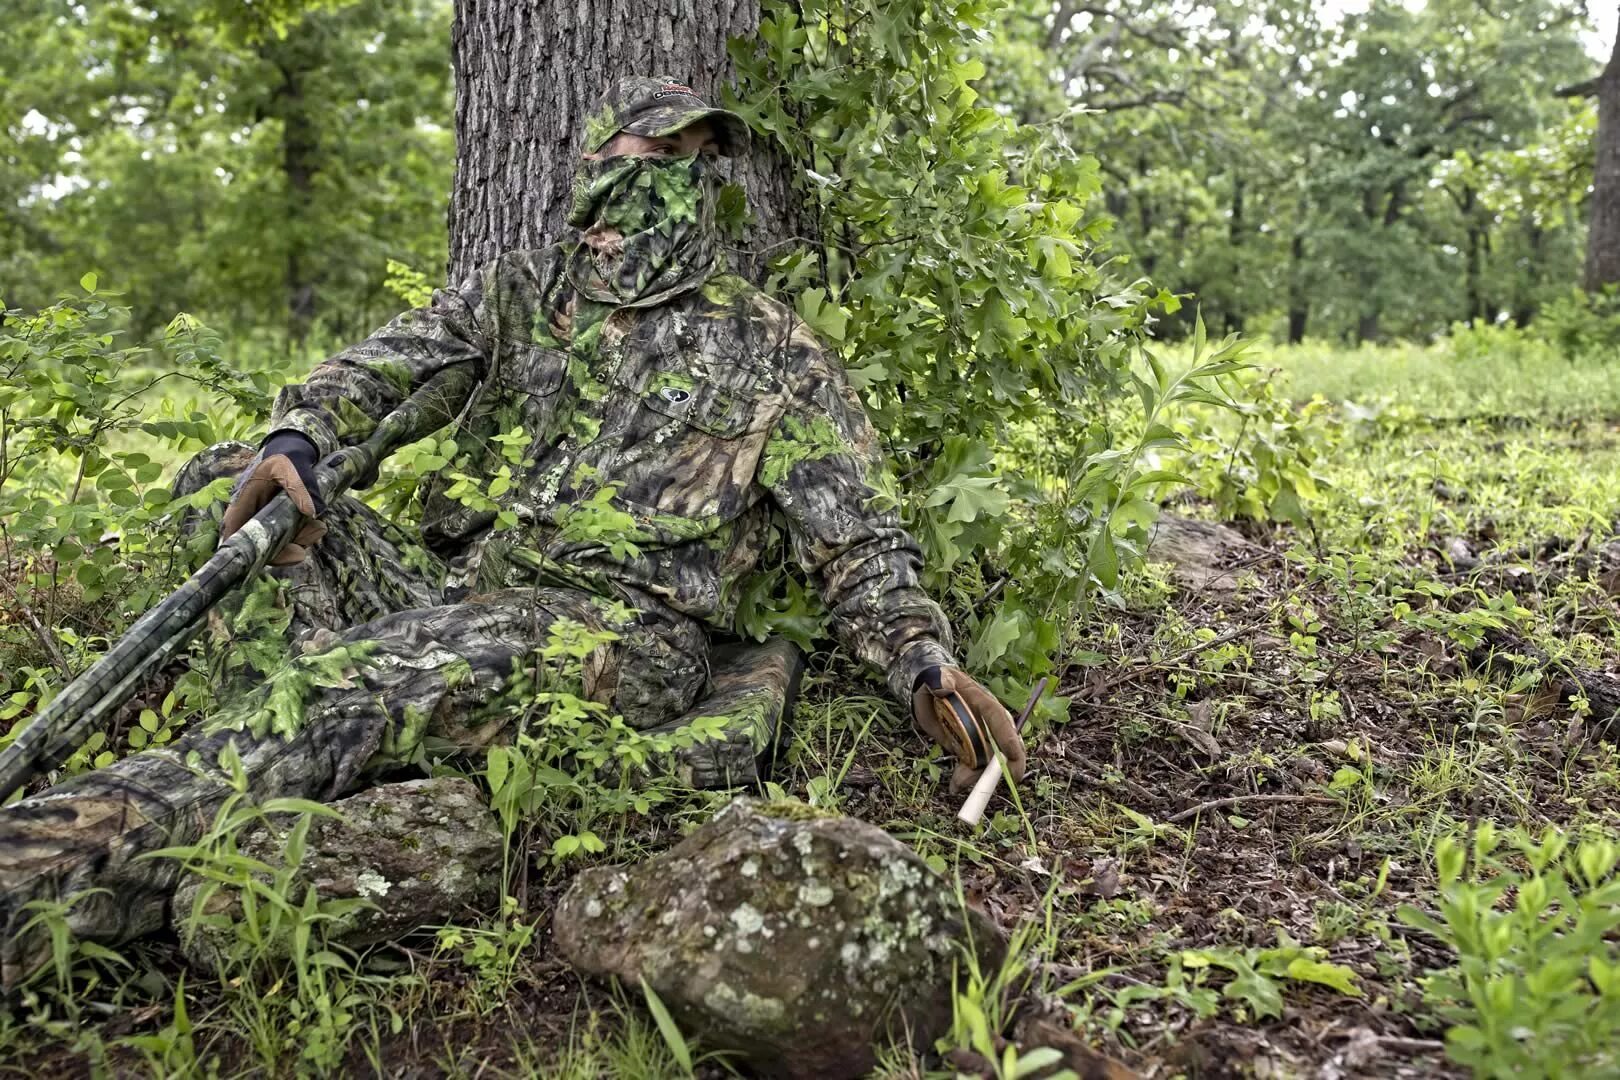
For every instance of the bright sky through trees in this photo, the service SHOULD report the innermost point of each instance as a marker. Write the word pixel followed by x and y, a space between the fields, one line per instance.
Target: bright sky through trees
pixel 1605 14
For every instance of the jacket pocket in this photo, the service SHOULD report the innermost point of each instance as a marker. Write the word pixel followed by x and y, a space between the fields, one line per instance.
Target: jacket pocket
pixel 725 403
pixel 535 370
pixel 710 409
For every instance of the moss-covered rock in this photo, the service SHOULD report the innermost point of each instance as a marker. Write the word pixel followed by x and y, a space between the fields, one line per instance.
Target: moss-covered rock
pixel 422 852
pixel 801 941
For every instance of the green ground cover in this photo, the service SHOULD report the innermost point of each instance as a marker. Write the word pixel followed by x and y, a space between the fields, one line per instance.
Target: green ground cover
pixel 1330 795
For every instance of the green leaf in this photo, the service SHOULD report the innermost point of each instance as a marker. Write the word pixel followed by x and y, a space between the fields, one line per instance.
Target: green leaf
pixel 1033 1061
pixel 88 282
pixel 1254 989
pixel 971 497
pixel 1103 560
pixel 1337 976
pixel 995 638
pixel 668 1028
pixel 496 765
pixel 1345 777
pixel 825 318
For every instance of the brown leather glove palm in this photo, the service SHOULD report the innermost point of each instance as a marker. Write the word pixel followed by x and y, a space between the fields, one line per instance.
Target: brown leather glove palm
pixel 934 704
pixel 286 463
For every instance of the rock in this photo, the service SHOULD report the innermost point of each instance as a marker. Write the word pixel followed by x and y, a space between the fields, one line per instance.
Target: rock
pixel 422 852
pixel 801 940
pixel 1199 552
pixel 1460 555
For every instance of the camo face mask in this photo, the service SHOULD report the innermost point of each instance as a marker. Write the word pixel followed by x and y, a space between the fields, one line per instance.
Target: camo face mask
pixel 648 226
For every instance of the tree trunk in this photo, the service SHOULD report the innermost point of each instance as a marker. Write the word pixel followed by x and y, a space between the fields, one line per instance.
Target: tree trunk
pixel 1367 328
pixel 1367 275
pixel 1473 259
pixel 1299 296
pixel 1524 308
pixel 1603 238
pixel 1234 236
pixel 1475 275
pixel 1145 220
pixel 300 146
pixel 527 73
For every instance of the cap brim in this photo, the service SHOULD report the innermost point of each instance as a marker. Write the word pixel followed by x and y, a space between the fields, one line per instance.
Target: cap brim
pixel 731 132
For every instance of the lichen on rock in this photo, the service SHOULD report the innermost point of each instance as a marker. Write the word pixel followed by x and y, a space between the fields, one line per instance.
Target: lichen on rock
pixel 800 939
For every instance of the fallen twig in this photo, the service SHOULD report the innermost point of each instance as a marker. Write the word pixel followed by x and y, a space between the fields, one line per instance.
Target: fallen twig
pixel 1415 1046
pixel 1233 800
pixel 47 642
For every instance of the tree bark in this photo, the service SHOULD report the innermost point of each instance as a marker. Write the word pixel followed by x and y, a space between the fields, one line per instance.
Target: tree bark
pixel 1367 330
pixel 527 73
pixel 1234 236
pixel 300 148
pixel 1299 296
pixel 1603 237
pixel 1473 254
pixel 1145 219
pixel 1524 308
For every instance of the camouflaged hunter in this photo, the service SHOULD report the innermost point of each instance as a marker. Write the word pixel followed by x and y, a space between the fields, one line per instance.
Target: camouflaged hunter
pixel 666 410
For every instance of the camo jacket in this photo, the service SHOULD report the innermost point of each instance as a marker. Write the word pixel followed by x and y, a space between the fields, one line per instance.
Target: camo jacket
pixel 662 436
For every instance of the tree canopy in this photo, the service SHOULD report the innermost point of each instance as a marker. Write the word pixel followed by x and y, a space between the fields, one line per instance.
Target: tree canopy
pixel 1384 175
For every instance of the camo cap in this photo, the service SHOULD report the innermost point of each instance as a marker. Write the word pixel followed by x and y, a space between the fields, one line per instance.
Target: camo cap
pixel 656 105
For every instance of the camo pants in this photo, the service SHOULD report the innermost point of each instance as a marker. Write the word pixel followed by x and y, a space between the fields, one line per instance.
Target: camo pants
pixel 421 673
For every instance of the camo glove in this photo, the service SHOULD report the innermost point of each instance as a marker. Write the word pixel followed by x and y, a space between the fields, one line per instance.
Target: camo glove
pixel 934 704
pixel 285 463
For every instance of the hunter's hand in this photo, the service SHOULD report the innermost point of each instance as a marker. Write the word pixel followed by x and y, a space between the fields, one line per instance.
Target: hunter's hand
pixel 937 703
pixel 285 463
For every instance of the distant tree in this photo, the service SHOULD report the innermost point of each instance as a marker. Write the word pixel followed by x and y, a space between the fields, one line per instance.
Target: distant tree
pixel 1603 235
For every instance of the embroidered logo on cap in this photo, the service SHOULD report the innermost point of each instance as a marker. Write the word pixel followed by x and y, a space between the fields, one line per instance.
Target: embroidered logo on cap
pixel 674 395
pixel 673 90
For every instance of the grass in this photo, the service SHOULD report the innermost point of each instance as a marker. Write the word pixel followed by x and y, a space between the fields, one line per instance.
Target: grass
pixel 1469 489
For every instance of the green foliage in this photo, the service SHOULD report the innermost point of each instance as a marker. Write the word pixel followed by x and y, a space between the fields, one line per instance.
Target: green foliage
pixel 1582 325
pixel 1268 468
pixel 492 951
pixel 255 163
pixel 1489 375
pixel 572 763
pixel 959 277
pixel 1536 987
pixel 1255 984
pixel 410 285
pixel 667 1027
pixel 86 523
pixel 983 999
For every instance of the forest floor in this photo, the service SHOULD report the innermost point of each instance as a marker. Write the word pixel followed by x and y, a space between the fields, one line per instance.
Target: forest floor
pixel 1208 869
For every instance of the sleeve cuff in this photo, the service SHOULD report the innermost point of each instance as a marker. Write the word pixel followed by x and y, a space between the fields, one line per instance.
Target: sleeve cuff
pixel 917 656
pixel 311 428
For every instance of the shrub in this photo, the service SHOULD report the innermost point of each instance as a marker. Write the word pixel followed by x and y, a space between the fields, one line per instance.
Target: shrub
pixel 1536 987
